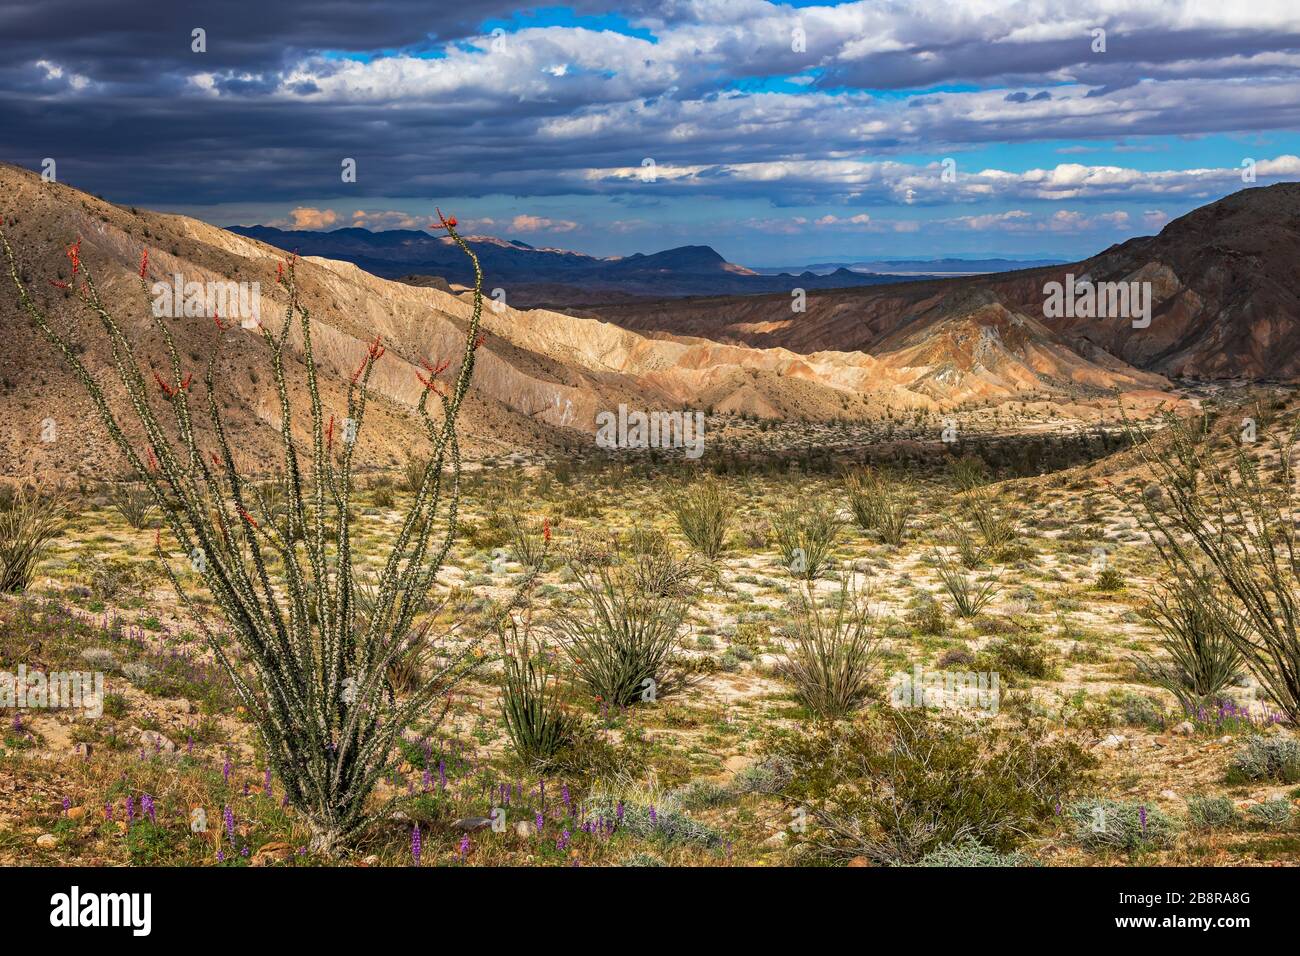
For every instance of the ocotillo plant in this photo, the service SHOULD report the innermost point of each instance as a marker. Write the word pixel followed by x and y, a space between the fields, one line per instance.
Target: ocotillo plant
pixel 315 678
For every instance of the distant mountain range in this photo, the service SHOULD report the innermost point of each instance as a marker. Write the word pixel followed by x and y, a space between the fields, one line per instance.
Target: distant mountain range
pixel 547 277
pixel 919 267
pixel 1225 304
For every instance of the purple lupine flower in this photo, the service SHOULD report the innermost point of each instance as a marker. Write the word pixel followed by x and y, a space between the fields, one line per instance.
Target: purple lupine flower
pixel 225 770
pixel 415 844
pixel 1142 817
pixel 130 810
pixel 618 812
pixel 540 821
pixel 564 794
pixel 67 805
pixel 189 746
pixel 284 801
pixel 108 811
pixel 147 808
pixel 442 773
pixel 426 781
pixel 463 850
pixel 229 816
pixel 563 842
pixel 18 722
pixel 245 788
pixel 221 856
pixel 654 817
pixel 267 782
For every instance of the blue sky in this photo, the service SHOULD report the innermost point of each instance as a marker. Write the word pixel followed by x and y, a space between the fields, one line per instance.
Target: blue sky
pixel 778 133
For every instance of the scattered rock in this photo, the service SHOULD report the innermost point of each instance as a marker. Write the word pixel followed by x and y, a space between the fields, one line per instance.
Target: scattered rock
pixel 470 824
pixel 525 829
pixel 1168 795
pixel 859 861
pixel 157 742
pixel 371 860
pixel 76 813
pixel 47 841
pixel 186 707
pixel 1185 729
pixel 1112 741
pixel 778 839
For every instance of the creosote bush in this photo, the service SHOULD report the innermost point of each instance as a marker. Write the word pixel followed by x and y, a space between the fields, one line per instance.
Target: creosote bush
pixel 312 672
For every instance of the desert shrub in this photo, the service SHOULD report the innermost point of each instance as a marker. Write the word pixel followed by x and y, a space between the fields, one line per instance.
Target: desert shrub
pixel 382 496
pixel 880 504
pixel 997 530
pixel 704 513
pixel 832 649
pixel 312 676
pixel 532 705
pixel 1194 633
pixel 413 471
pixel 653 817
pixel 1103 824
pixel 1023 655
pixel 895 786
pixel 969 594
pixel 928 617
pixel 805 535
pixel 134 502
pixel 529 541
pixel 29 523
pixel 1241 523
pixel 108 577
pixel 1138 710
pixel 1110 579
pixel 968 472
pixel 955 657
pixel 972 853
pixel 1270 815
pixel 1275 758
pixel 969 551
pixel 622 632
pixel 1211 813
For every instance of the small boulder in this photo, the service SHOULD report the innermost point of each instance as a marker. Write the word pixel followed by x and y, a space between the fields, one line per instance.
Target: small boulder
pixel 471 824
pixel 1112 742
pixel 1185 729
pixel 47 841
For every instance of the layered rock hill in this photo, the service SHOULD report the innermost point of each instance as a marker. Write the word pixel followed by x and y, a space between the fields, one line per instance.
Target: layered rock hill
pixel 541 376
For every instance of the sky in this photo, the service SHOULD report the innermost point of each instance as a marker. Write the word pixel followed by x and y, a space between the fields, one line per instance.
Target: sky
pixel 780 134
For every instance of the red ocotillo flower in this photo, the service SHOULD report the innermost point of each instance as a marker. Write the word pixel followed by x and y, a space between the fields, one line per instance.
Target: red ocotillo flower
pixel 221 328
pixel 247 517
pixel 74 255
pixel 58 283
pixel 153 459
pixel 482 337
pixel 279 273
pixel 329 436
pixel 546 530
pixel 446 222
pixel 144 263
pixel 215 460
pixel 373 354
pixel 429 383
